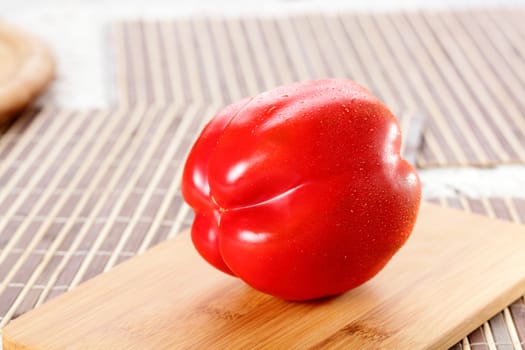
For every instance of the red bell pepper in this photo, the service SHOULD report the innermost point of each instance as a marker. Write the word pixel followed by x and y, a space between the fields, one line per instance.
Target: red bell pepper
pixel 301 191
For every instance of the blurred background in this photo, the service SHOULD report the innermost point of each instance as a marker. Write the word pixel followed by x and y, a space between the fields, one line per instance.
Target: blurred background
pixel 77 30
pixel 90 171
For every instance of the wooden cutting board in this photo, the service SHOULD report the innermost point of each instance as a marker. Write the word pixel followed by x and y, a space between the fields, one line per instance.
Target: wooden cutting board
pixel 26 68
pixel 455 272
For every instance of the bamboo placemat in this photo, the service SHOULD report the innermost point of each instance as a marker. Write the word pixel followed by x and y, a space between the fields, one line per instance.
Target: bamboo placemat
pixel 83 191
pixel 462 72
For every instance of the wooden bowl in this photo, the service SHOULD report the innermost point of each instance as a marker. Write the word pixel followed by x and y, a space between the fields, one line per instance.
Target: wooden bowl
pixel 26 68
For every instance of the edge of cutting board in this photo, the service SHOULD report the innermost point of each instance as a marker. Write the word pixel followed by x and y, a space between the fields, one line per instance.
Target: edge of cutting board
pixel 455 272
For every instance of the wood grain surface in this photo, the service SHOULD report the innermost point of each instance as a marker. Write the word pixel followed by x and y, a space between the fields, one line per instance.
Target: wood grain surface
pixel 170 298
pixel 26 68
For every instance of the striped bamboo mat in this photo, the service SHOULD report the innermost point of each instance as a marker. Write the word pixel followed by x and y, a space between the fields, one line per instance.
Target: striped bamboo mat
pixel 462 73
pixel 81 191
